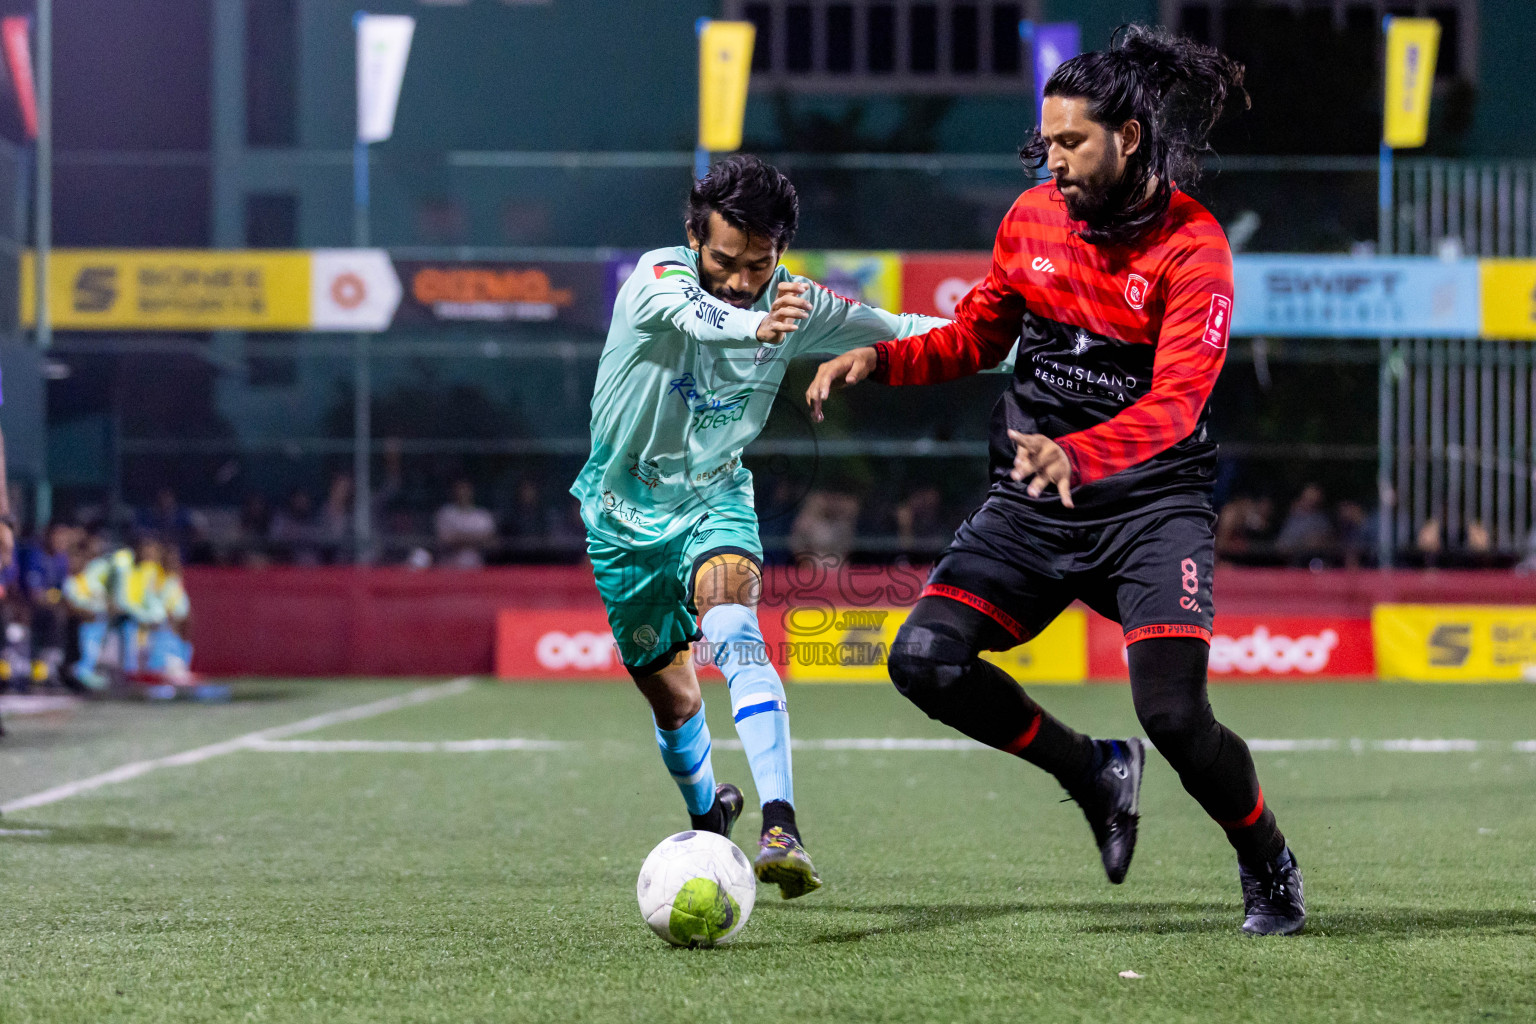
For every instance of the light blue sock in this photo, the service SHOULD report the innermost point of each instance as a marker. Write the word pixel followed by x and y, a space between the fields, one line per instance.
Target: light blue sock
pixel 685 752
pixel 757 698
pixel 93 633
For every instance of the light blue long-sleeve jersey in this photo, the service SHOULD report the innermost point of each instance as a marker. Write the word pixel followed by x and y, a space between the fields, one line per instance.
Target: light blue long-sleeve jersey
pixel 683 385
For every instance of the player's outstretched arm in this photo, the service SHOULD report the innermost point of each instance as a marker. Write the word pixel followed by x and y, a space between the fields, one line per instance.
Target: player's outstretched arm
pixel 839 372
pixel 664 294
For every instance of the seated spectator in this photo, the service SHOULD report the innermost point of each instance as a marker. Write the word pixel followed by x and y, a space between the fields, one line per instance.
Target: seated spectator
pixel 334 522
pixel 255 530
pixel 168 519
pixel 169 646
pixel 530 522
pixel 1428 544
pixel 464 530
pixel 136 600
pixel 1357 541
pixel 88 592
pixel 826 526
pixel 921 529
pixel 1307 533
pixel 294 534
pixel 1242 529
pixel 44 568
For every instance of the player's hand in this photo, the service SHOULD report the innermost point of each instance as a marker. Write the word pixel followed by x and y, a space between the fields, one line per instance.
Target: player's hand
pixel 789 308
pixel 848 368
pixel 7 544
pixel 1039 457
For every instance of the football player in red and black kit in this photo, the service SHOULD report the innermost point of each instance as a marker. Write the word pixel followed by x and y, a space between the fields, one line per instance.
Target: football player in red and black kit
pixel 1118 287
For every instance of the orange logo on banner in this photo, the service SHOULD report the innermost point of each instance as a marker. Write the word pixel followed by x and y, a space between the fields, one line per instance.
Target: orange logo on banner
pixel 432 285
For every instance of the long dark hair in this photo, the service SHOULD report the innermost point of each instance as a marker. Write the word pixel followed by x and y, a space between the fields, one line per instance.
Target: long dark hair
pixel 1176 88
pixel 750 195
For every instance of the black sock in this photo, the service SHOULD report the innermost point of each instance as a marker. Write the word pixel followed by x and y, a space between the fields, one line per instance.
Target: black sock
pixel 712 820
pixel 1213 762
pixel 777 813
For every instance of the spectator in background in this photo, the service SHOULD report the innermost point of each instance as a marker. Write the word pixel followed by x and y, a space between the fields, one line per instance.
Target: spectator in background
pixel 1307 533
pixel 1357 542
pixel 44 569
pixel 464 530
pixel 1429 544
pixel 293 535
pixel 530 523
pixel 1242 529
pixel 826 526
pixel 255 529
pixel 169 520
pixel 334 523
pixel 170 641
pixel 921 529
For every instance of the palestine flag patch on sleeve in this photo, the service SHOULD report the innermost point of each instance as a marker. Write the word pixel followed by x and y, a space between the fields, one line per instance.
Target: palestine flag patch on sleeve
pixel 672 268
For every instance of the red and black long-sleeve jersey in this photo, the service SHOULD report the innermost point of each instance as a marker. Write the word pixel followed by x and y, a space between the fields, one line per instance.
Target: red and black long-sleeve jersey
pixel 1119 347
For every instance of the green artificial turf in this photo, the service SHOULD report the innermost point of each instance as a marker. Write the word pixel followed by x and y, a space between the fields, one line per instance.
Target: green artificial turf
pixel 499 886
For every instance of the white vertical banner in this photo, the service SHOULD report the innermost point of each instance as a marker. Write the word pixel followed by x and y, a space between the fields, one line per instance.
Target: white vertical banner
pixel 383 44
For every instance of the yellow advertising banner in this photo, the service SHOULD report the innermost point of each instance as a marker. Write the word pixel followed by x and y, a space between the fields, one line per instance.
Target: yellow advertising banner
pixel 873 278
pixel 725 68
pixel 853 646
pixel 1412 44
pixel 1509 299
pixel 1425 643
pixel 172 290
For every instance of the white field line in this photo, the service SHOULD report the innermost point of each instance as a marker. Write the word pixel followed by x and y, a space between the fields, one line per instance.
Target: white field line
pixel 401 746
pixel 134 769
pixel 866 744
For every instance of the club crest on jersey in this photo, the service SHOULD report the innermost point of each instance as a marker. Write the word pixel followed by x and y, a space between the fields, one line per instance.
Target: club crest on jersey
pixel 1218 322
pixel 1136 288
pixel 764 353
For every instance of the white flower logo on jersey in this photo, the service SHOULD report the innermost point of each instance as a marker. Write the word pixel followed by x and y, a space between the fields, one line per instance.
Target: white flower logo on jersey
pixel 1082 343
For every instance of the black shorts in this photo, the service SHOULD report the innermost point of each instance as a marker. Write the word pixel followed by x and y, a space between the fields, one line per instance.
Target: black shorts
pixel 1150 573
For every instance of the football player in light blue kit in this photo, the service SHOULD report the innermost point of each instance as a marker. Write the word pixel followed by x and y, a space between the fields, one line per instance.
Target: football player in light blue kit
pixel 699 342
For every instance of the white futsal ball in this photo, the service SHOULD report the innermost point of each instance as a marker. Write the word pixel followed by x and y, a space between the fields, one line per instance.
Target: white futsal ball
pixel 696 889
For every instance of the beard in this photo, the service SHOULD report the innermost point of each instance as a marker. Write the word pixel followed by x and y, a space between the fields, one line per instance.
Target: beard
pixel 1100 198
pixel 739 299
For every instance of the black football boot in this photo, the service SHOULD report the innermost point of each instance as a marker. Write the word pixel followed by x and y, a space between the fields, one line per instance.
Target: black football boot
pixel 1110 800
pixel 722 814
pixel 1272 897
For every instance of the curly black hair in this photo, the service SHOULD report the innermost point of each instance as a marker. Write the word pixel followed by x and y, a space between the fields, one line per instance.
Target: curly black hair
pixel 1176 88
pixel 750 195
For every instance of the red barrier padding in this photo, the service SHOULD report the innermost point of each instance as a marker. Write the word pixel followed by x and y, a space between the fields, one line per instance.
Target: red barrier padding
pixel 392 621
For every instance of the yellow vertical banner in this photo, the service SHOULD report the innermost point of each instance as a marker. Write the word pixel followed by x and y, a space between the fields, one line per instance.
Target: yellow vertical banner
pixel 725 67
pixel 1412 44
pixel 1509 299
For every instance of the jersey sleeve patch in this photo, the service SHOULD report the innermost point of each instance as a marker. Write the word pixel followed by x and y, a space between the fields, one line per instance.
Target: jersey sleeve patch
pixel 1218 322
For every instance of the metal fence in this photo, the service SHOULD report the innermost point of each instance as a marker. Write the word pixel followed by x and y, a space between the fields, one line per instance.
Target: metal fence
pixel 1456 416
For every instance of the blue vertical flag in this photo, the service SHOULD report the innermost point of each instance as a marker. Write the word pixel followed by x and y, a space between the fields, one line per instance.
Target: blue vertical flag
pixel 1053 43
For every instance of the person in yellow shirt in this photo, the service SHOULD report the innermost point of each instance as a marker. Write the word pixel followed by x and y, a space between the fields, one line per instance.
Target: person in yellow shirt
pixel 136 600
pixel 88 593
pixel 170 649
